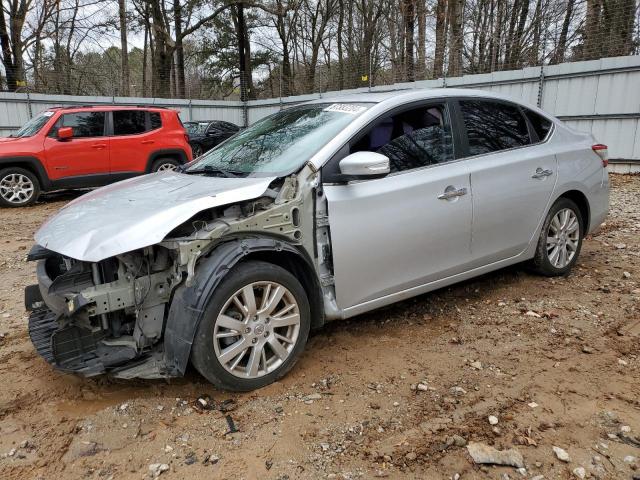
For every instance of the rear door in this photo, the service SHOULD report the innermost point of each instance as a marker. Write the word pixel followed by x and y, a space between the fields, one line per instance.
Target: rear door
pixel 134 138
pixel 409 228
pixel 513 174
pixel 87 153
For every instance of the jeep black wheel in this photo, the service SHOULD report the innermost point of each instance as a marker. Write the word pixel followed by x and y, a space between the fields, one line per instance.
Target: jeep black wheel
pixel 254 327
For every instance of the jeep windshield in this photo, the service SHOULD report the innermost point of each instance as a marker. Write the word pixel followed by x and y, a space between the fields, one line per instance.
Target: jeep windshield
pixel 33 126
pixel 279 144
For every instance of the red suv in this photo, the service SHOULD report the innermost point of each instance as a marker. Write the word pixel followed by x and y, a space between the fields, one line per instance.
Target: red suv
pixel 89 146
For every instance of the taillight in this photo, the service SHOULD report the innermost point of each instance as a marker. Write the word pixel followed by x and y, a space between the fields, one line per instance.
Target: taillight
pixel 186 138
pixel 603 153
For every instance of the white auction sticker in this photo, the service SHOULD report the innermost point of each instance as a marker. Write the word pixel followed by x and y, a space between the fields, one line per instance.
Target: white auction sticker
pixel 345 108
pixel 47 114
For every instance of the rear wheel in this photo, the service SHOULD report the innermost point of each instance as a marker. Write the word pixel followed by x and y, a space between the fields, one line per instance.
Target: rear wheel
pixel 254 327
pixel 560 239
pixel 165 164
pixel 18 187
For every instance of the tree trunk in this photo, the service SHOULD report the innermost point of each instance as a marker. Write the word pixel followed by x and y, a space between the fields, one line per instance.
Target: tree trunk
pixel 455 44
pixel 441 38
pixel 409 27
pixel 339 41
pixel 421 68
pixel 179 60
pixel 144 50
pixel 122 14
pixel 162 53
pixel 592 31
pixel 558 56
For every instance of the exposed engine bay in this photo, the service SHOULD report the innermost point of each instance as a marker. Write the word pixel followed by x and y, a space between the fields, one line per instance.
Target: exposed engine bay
pixel 135 314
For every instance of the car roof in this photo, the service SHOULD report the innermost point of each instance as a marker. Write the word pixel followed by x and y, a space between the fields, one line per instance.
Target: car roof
pixel 409 94
pixel 81 108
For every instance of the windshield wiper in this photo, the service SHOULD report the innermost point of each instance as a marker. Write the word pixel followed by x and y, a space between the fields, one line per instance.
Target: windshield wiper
pixel 211 171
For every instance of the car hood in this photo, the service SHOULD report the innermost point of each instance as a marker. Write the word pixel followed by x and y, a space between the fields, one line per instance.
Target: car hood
pixel 138 212
pixel 7 140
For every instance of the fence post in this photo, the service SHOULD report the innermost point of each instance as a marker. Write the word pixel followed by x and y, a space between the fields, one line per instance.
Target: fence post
pixel 540 86
pixel 29 110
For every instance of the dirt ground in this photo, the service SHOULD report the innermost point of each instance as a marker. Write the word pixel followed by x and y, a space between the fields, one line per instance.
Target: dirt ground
pixel 396 393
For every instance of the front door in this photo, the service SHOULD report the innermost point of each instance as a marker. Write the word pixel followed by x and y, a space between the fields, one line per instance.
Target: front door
pixel 86 153
pixel 512 175
pixel 409 228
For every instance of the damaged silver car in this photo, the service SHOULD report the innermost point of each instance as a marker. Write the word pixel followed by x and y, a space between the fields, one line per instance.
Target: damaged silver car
pixel 319 212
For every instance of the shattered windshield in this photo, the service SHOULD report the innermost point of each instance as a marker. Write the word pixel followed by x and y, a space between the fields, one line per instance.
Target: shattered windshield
pixel 33 126
pixel 281 143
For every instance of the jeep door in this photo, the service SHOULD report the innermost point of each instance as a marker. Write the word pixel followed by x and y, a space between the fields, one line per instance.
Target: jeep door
pixel 134 139
pixel 410 228
pixel 513 174
pixel 86 153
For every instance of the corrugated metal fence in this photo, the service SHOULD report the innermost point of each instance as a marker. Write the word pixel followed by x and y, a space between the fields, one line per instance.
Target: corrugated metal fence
pixel 600 96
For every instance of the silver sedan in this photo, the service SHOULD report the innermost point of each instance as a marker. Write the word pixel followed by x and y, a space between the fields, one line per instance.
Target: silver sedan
pixel 319 212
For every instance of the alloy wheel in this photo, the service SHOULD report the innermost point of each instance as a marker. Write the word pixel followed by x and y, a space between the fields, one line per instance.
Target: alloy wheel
pixel 563 238
pixel 167 167
pixel 257 329
pixel 16 188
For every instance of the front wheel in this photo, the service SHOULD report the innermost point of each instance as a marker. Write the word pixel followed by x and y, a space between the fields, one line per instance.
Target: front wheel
pixel 18 187
pixel 560 239
pixel 254 327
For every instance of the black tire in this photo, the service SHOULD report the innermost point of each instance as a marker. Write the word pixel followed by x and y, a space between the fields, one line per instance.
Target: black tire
pixel 165 164
pixel 203 355
pixel 196 150
pixel 541 262
pixel 6 175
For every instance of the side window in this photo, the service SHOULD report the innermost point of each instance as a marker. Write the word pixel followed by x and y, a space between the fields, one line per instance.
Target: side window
pixel 156 121
pixel 493 126
pixel 411 139
pixel 84 124
pixel 129 122
pixel 540 124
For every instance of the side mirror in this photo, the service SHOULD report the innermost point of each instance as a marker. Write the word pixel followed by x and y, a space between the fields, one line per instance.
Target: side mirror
pixel 65 133
pixel 364 165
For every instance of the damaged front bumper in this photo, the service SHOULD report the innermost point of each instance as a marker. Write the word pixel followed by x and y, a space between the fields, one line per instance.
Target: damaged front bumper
pixel 90 318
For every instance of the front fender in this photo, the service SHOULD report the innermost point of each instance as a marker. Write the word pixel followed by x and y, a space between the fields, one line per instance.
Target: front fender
pixel 188 303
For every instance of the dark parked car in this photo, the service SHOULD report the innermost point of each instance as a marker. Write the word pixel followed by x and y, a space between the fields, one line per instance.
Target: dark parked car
pixel 204 135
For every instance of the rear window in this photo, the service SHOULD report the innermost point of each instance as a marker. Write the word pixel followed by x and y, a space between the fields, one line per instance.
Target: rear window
pixel 540 124
pixel 156 120
pixel 493 126
pixel 129 122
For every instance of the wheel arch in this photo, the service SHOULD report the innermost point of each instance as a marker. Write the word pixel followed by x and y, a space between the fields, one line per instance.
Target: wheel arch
pixel 31 164
pixel 189 302
pixel 174 153
pixel 581 200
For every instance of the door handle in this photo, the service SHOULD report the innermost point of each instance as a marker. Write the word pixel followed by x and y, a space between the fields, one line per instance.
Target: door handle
pixel 451 192
pixel 540 173
pixel 147 142
pixel 99 146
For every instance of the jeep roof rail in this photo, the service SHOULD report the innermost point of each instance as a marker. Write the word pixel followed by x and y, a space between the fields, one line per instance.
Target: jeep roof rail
pixel 110 105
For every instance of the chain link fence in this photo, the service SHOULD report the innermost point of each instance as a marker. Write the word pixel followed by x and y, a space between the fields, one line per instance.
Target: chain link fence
pixel 200 50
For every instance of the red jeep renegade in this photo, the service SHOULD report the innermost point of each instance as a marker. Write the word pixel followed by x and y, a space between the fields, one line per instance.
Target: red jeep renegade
pixel 89 146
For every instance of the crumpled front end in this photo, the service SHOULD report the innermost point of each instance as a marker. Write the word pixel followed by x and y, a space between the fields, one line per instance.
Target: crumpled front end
pixel 89 317
pixel 119 314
